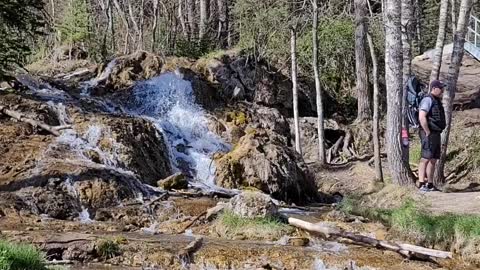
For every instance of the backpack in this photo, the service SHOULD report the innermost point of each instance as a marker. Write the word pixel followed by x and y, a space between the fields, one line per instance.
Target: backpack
pixel 415 94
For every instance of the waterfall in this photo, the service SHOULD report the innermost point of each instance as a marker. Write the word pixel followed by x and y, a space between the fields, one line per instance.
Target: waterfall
pixel 169 102
pixel 86 86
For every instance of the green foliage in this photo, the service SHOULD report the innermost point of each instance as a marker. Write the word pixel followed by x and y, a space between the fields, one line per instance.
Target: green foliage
pixel 20 257
pixel 415 152
pixel 192 49
pixel 411 220
pixel 108 248
pixel 231 225
pixel 262 27
pixel 20 22
pixel 75 25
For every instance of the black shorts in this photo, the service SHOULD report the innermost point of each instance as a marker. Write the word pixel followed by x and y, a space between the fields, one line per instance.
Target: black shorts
pixel 431 145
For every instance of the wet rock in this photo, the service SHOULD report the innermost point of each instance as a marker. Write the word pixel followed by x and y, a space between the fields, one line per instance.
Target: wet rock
pixel 253 205
pixel 131 68
pixel 176 181
pixel 266 164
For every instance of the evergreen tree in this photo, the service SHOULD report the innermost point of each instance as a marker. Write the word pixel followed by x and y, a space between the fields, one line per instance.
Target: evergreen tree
pixel 20 22
pixel 75 27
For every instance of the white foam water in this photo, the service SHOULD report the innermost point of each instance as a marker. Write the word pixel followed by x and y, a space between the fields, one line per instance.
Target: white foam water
pixel 86 86
pixel 169 102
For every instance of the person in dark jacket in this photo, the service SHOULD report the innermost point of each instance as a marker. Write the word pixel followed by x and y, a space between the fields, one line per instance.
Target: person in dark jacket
pixel 432 122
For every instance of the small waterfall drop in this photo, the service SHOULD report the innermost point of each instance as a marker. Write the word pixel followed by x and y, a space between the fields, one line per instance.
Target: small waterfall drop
pixel 86 86
pixel 169 102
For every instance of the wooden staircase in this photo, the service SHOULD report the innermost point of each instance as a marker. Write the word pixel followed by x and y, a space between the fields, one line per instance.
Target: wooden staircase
pixel 472 44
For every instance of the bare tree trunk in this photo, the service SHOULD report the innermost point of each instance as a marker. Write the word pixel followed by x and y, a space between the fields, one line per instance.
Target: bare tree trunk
pixel 203 18
pixel 452 78
pixel 155 24
pixel 142 25
pixel 191 17
pixel 407 33
pixel 376 107
pixel 394 80
pixel 124 19
pixel 182 19
pixel 294 88
pixel 135 25
pixel 111 25
pixel 442 25
pixel 454 17
pixel 222 22
pixel 363 99
pixel 318 89
pixel 418 27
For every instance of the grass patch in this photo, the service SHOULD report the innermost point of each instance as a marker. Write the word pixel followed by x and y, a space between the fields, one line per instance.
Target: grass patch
pixel 411 222
pixel 415 152
pixel 230 225
pixel 20 257
pixel 109 248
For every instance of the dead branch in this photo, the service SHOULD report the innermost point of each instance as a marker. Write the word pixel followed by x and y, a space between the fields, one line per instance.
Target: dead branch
pixel 21 117
pixel 192 247
pixel 192 222
pixel 346 143
pixel 328 231
pixel 333 151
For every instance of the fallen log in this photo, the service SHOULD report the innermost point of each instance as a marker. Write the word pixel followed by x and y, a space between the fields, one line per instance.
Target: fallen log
pixel 192 222
pixel 21 117
pixel 185 253
pixel 332 231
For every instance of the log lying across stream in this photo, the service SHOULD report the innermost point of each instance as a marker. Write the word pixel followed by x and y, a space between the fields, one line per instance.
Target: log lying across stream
pixel 21 117
pixel 331 231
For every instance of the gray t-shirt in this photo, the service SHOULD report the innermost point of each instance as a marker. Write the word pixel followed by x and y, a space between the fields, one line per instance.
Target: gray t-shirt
pixel 426 104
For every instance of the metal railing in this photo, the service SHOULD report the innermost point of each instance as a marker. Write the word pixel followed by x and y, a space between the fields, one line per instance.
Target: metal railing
pixel 472 44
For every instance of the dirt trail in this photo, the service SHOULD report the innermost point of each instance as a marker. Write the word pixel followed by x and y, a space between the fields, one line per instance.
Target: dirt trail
pixel 460 203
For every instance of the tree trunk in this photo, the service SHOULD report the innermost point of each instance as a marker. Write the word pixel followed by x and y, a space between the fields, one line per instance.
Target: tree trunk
pixel 452 78
pixel 454 18
pixel 124 19
pixel 181 18
pixel 394 81
pixel 437 57
pixel 318 89
pixel 191 17
pixel 203 18
pixel 136 28
pixel 407 33
pixel 363 98
pixel 222 22
pixel 418 27
pixel 155 24
pixel 294 88
pixel 376 107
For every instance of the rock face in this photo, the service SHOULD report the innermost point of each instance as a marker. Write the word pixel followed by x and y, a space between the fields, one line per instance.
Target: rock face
pixel 98 163
pixel 468 86
pixel 253 205
pixel 126 70
pixel 240 78
pixel 261 157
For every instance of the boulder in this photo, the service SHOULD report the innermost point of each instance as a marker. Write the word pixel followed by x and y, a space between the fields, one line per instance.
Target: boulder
pixel 128 69
pixel 253 205
pixel 262 162
pixel 176 181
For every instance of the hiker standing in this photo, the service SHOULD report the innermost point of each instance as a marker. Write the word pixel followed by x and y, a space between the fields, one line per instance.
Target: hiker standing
pixel 432 123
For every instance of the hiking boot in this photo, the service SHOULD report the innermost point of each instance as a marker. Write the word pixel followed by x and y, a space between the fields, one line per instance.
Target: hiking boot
pixel 431 187
pixel 424 188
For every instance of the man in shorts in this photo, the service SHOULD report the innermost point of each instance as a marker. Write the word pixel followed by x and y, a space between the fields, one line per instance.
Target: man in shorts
pixel 432 122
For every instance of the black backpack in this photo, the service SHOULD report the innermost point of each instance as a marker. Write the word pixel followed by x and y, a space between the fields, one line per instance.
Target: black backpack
pixel 415 94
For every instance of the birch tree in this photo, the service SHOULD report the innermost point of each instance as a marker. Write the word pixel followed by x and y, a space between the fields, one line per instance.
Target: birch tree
pixel 293 55
pixel 318 89
pixel 376 107
pixel 452 78
pixel 437 56
pixel 394 82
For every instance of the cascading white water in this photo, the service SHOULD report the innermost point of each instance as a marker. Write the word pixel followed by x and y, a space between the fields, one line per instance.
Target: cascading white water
pixel 169 102
pixel 86 86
